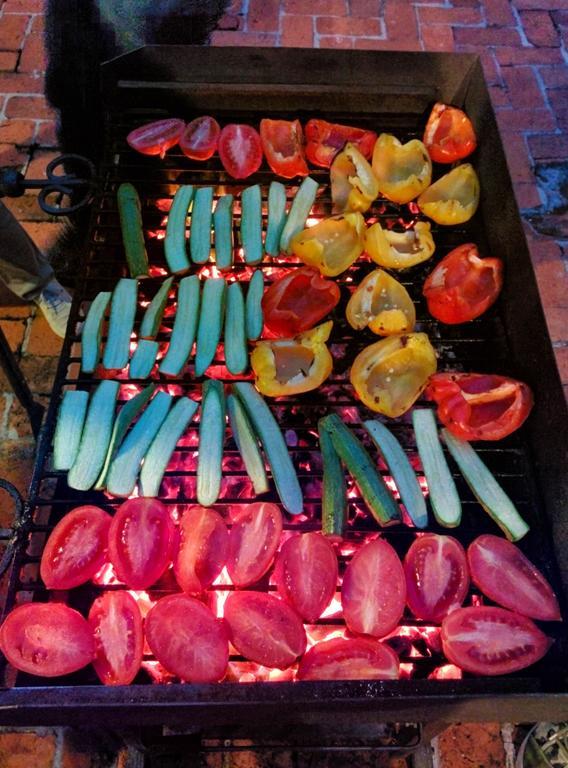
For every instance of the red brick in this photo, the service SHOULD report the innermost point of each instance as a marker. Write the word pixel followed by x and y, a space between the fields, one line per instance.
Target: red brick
pixel 549 147
pixel 335 41
pixel 19 132
pixel 38 164
pixel 8 60
pixel 30 106
pixel 14 332
pixel 527 196
pixel 316 7
pixel 523 87
pixel 244 38
pixel 508 56
pixel 230 22
pixel 33 57
pixel 554 77
pixel 556 322
pixel 465 3
pixel 263 16
pixel 365 8
pixel 22 750
pixel 542 248
pixel 42 342
pixel 499 97
pixel 552 280
pixel 518 159
pixel 458 16
pixel 46 135
pixel 497 36
pixel 539 28
pixel 471 744
pixel 437 38
pixel 14 82
pixel 235 6
pixel 12 31
pixel 44 234
pixel 400 21
pixel 11 155
pixel 499 12
pixel 561 117
pixel 26 208
pixel 338 25
pixel 297 31
pixel 558 99
pixel 546 5
pixel 525 119
pixel 378 44
pixel 561 354
pixel 38 24
pixel 24 6
pixel 16 460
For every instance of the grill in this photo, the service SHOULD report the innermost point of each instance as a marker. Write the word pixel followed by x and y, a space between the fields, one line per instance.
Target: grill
pixel 388 92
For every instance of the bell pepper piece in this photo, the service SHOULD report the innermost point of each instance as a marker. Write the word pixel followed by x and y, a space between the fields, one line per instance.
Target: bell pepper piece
pixel 454 198
pixel 332 245
pixel 382 304
pixel 399 250
pixel 449 134
pixel 324 140
pixel 354 186
pixel 403 171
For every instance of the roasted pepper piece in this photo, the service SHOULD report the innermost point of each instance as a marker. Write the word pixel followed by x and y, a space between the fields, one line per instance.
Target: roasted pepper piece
pixel 332 245
pixel 381 303
pixel 389 375
pixel 354 186
pixel 399 250
pixel 291 366
pixel 402 170
pixel 452 199
pixel 449 134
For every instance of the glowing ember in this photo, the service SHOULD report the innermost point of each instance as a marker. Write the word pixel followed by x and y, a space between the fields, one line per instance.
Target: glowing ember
pixel 145 602
pixel 333 610
pixel 105 576
pixel 164 204
pixel 156 234
pixel 157 271
pixel 157 673
pixel 446 672
pixel 210 270
pixel 311 220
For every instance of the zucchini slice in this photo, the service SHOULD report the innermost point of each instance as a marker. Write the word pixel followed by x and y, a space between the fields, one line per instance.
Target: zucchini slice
pixel 251 224
pixel 121 323
pixel 211 441
pixel 152 319
pixel 92 332
pixel 223 227
pixel 276 217
pixel 143 359
pixel 253 308
pixel 175 248
pixel 132 229
pixel 185 326
pixel 69 427
pixel 247 444
pixel 301 206
pixel 210 323
pixel 236 351
pixel 334 508
pixel 200 233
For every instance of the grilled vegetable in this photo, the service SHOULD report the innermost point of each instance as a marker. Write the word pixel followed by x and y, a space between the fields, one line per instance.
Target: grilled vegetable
pixel 276 217
pixel 236 352
pixel 382 304
pixel 399 250
pixel 403 171
pixel 122 313
pixel 129 211
pixel 152 319
pixel 299 211
pixel 454 198
pixel 143 359
pixel 331 245
pixel 200 233
pixel 247 444
pixel 253 307
pixel 185 325
pixel 354 186
pixel 175 248
pixel 69 428
pixel 92 332
pixel 449 134
pixel 210 323
pixel 211 440
pixel 223 226
pixel 251 224
pixel 283 146
pixel 334 490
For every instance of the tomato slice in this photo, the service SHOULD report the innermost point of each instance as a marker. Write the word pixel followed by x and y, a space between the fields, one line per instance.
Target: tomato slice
pixel 437 577
pixel 119 638
pixel 479 406
pixel 463 286
pixel 264 629
pixel 240 150
pixel 324 140
pixel 306 574
pixel 492 641
pixel 358 658
pixel 503 573
pixel 200 138
pixel 282 142
pixel 47 639
pixel 204 544
pixel 157 137
pixel 449 134
pixel 141 539
pixel 253 541
pixel 187 639
pixel 76 548
pixel 373 592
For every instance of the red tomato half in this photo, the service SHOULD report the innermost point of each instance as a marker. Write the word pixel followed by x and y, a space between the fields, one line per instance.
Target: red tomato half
pixel 76 548
pixel 298 301
pixel 505 575
pixel 47 639
pixel 358 658
pixel 437 577
pixel 119 638
pixel 264 629
pixel 449 134
pixel 325 140
pixel 306 574
pixel 463 286
pixel 492 641
pixel 140 542
pixel 479 406
pixel 253 541
pixel 200 138
pixel 282 142
pixel 240 150
pixel 156 138
pixel 203 549
pixel 187 639
pixel 373 593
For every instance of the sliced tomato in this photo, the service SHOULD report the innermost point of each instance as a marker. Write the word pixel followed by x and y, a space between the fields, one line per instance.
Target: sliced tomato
pixel 141 539
pixel 449 134
pixel 306 574
pixel 463 286
pixel 282 142
pixel 437 577
pixel 324 140
pixel 492 641
pixel 253 541
pixel 480 406
pixel 116 622
pixel 264 629
pixel 203 549
pixel 297 301
pixel 157 137
pixel 358 658
pixel 503 573
pixel 187 639
pixel 373 592
pixel 200 138
pixel 240 150
pixel 76 548
pixel 47 639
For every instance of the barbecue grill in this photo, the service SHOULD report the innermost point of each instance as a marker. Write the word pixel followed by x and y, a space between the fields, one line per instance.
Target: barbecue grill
pixel 391 92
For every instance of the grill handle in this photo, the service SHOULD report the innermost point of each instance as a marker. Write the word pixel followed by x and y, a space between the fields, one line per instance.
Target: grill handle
pixel 19 529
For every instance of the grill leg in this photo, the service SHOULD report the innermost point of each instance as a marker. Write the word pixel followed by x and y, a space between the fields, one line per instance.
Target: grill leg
pixel 19 384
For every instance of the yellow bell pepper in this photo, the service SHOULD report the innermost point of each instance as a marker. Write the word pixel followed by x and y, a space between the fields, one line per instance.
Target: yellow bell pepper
pixel 452 199
pixel 291 366
pixel 332 244
pixel 353 184
pixel 399 250
pixel 389 375
pixel 381 303
pixel 402 170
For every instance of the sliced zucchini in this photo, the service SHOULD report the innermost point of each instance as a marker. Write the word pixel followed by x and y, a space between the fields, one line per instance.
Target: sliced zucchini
pixel 253 308
pixel 132 229
pixel 185 325
pixel 276 217
pixel 210 323
pixel 299 211
pixel 92 332
pixel 152 319
pixel 200 233
pixel 69 427
pixel 211 441
pixel 334 508
pixel 247 444
pixel 143 359
pixel 236 352
pixel 121 323
pixel 175 247
pixel 251 224
pixel 223 226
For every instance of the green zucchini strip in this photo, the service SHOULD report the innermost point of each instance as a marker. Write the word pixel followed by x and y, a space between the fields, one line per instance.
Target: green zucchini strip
pixel 334 508
pixel 443 493
pixel 69 427
pixel 152 319
pixel 223 227
pixel 124 468
pixel 130 213
pixel 200 232
pixel 276 217
pixel 211 441
pixel 301 206
pixel 253 307
pixel 210 323
pixel 92 332
pixel 251 224
pixel 95 437
pixel 159 453
pixel 274 446
pixel 143 359
pixel 485 488
pixel 175 248
pixel 247 444
pixel 121 323
pixel 362 469
pixel 236 351
pixel 185 326
pixel 401 470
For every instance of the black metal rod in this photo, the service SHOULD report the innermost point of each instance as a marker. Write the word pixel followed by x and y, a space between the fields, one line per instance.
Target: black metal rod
pixel 19 385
